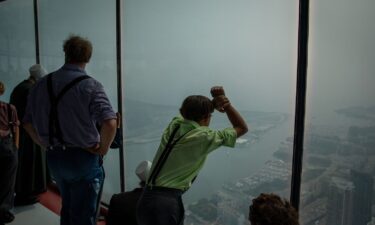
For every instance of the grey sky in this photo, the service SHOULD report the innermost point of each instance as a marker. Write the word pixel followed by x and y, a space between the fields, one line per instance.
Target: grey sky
pixel 342 54
pixel 177 48
pixel 174 48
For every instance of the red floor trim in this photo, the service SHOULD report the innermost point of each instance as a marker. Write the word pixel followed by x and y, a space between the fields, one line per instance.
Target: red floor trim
pixel 52 201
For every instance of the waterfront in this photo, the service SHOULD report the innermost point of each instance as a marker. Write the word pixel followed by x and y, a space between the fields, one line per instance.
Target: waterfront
pixel 232 177
pixel 225 165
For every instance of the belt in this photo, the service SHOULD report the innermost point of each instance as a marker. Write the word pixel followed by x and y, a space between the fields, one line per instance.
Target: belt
pixel 59 149
pixel 165 189
pixel 63 148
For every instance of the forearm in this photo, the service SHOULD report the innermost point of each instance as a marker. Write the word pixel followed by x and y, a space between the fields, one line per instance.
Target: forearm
pixel 236 120
pixel 222 104
pixel 32 132
pixel 107 134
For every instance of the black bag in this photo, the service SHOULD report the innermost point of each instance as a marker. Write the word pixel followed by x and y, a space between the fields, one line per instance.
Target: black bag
pixel 117 141
pixel 122 208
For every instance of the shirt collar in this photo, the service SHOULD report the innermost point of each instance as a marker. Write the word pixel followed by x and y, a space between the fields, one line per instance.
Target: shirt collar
pixel 73 67
pixel 190 123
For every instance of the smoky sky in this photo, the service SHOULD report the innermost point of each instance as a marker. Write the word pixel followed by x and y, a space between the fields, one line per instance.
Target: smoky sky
pixel 342 54
pixel 178 48
pixel 175 48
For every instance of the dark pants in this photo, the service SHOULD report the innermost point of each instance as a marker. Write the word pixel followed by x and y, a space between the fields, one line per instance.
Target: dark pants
pixel 32 174
pixel 160 206
pixel 8 170
pixel 79 176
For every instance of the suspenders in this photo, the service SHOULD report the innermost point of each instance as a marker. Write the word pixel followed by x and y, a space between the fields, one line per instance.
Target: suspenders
pixel 54 124
pixel 164 156
pixel 10 122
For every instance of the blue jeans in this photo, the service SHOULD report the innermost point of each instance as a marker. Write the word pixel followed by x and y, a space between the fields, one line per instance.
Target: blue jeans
pixel 79 176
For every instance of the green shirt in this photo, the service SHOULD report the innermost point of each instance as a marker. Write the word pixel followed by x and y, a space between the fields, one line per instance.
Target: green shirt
pixel 189 154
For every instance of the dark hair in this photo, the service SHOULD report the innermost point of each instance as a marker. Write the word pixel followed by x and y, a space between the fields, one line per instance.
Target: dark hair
pixel 196 107
pixel 270 209
pixel 77 50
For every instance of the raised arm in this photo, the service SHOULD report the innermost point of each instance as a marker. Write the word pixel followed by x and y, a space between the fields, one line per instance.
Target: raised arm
pixel 222 104
pixel 236 120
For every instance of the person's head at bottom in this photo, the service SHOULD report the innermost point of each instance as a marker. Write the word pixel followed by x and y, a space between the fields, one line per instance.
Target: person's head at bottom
pixel 270 209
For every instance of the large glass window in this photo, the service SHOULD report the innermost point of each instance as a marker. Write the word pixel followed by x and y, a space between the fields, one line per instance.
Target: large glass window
pixel 173 49
pixel 95 20
pixel 17 43
pixel 339 158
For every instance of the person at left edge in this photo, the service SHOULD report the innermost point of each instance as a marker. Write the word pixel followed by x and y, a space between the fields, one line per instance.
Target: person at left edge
pixel 9 137
pixel 61 115
pixel 32 174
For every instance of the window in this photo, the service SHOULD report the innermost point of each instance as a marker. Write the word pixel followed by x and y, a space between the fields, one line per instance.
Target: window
pixel 337 182
pixel 94 20
pixel 173 49
pixel 17 43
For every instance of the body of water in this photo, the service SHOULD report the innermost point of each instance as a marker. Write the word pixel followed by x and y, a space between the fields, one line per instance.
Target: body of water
pixel 226 164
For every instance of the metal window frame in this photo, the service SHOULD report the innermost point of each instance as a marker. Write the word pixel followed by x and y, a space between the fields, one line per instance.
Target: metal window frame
pixel 119 85
pixel 119 71
pixel 36 31
pixel 300 107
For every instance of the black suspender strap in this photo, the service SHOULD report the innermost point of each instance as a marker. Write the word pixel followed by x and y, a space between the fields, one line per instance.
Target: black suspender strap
pixel 10 122
pixel 54 124
pixel 70 85
pixel 164 156
pixel 52 113
pixel 158 165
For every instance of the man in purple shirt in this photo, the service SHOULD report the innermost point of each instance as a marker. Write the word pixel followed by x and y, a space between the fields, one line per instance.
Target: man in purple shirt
pixel 62 114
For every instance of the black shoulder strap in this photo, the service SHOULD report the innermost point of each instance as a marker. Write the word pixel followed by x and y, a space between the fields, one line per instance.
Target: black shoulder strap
pixel 10 122
pixel 70 85
pixel 164 156
pixel 52 114
pixel 54 124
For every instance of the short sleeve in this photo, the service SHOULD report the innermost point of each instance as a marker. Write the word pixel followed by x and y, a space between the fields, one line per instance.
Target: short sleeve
pixel 100 106
pixel 226 137
pixel 229 136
